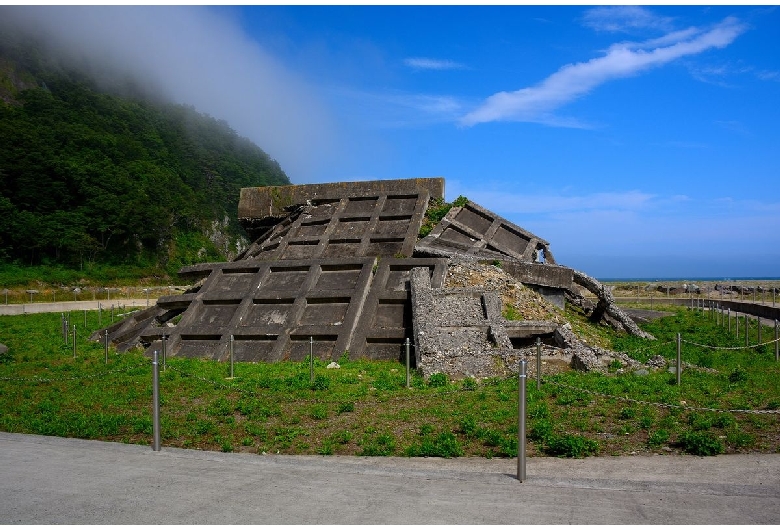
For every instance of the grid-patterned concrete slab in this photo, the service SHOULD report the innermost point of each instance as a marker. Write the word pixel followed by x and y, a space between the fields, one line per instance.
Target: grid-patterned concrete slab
pixel 386 320
pixel 259 208
pixel 374 225
pixel 272 310
pixel 475 231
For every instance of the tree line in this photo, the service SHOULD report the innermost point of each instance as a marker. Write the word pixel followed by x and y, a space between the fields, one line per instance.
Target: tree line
pixel 88 176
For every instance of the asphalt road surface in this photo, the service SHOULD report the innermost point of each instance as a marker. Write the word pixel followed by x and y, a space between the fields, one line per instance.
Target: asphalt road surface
pixel 46 480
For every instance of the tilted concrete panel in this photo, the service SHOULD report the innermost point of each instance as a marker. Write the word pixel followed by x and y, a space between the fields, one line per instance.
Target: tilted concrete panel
pixel 386 320
pixel 273 310
pixel 475 231
pixel 384 224
pixel 280 310
pixel 265 206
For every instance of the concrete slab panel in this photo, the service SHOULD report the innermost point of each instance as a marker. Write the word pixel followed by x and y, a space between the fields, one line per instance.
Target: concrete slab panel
pixel 473 230
pixel 386 320
pixel 384 224
pixel 273 202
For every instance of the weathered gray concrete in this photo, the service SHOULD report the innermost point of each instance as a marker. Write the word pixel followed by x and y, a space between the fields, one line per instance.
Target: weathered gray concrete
pixel 64 307
pixel 64 481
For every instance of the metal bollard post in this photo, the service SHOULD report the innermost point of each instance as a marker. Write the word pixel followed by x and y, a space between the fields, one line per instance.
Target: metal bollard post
pixel 311 360
pixel 538 363
pixel 105 342
pixel 155 403
pixel 407 362
pixel 777 344
pixel 231 356
pixel 736 320
pixel 85 319
pixel 100 315
pixel 679 360
pixel 747 331
pixel 729 317
pixel 521 422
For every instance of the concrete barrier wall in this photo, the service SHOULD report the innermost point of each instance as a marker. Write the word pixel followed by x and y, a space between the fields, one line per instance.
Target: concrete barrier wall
pixel 739 306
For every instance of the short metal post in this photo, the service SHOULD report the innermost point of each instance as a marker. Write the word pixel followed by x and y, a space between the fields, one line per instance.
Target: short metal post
pixel 407 362
pixel 777 344
pixel 100 315
pixel 538 363
pixel 165 349
pixel 112 313
pixel 736 320
pixel 85 319
pixel 679 360
pixel 729 317
pixel 311 360
pixel 105 344
pixel 521 422
pixel 155 403
pixel 231 356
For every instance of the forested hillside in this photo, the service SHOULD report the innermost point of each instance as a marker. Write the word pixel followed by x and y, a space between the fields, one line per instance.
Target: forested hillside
pixel 88 177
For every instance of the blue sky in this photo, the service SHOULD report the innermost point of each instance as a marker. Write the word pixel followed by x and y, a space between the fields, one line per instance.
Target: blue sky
pixel 638 141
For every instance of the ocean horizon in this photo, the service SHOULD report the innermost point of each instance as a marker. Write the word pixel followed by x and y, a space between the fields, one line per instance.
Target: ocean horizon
pixel 651 279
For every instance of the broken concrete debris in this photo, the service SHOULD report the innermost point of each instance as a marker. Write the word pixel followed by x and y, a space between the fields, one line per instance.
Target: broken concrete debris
pixel 337 268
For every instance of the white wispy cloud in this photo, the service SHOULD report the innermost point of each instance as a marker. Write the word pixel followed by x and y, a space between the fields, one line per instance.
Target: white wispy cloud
pixel 390 109
pixel 624 19
pixel 733 126
pixel 555 203
pixel 538 103
pixel 425 63
pixel 768 75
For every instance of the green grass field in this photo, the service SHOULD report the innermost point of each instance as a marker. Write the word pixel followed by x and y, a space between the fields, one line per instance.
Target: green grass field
pixel 364 408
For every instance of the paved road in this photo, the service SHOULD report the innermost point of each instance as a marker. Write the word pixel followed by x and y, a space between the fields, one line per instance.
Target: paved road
pixel 61 307
pixel 48 480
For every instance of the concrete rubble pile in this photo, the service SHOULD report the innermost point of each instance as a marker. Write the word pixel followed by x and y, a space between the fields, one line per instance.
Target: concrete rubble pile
pixel 337 268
